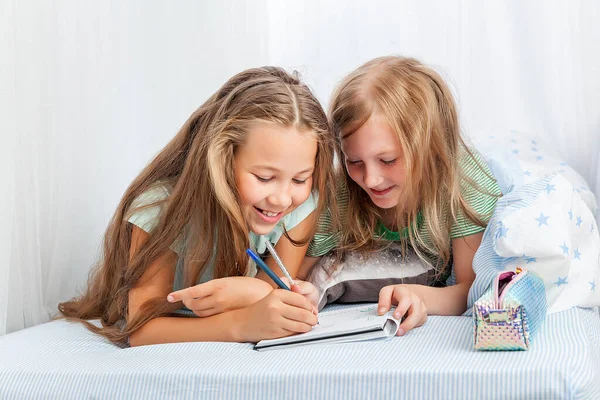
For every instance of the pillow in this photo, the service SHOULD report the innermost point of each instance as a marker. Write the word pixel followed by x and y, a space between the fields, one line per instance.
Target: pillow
pixel 547 228
pixel 517 158
pixel 359 278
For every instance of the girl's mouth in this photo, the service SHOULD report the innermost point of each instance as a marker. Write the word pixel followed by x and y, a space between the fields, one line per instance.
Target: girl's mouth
pixel 381 192
pixel 268 216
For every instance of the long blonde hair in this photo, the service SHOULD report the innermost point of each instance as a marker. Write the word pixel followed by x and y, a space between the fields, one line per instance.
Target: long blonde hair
pixel 198 164
pixel 420 109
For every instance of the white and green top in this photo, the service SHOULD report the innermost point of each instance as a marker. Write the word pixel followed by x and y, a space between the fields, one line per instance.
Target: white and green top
pixel 147 219
pixel 482 198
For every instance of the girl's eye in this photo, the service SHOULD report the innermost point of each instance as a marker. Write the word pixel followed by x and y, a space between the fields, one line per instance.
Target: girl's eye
pixel 261 179
pixel 389 162
pixel 349 162
pixel 299 181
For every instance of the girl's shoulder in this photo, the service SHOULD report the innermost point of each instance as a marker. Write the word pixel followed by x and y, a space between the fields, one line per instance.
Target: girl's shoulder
pixel 146 208
pixel 480 191
pixel 159 191
pixel 476 174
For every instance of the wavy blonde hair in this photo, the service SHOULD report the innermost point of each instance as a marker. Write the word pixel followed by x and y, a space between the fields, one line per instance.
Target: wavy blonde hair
pixel 420 109
pixel 198 163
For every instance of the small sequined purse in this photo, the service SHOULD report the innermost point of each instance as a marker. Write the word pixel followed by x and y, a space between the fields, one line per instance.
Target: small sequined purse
pixel 510 311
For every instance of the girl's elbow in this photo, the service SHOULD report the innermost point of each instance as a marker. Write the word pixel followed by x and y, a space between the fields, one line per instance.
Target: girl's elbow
pixel 461 298
pixel 136 339
pixel 144 337
pixel 460 310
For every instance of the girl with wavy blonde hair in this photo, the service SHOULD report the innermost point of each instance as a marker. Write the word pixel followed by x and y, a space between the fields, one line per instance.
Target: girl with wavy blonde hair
pixel 407 177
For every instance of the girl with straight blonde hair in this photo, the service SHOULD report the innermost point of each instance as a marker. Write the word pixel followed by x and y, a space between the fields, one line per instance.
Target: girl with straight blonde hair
pixel 251 164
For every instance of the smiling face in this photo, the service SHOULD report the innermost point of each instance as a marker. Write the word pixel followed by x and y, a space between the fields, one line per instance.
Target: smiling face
pixel 273 173
pixel 374 160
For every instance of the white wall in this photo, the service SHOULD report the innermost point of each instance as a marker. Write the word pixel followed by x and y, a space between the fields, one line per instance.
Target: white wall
pixel 90 90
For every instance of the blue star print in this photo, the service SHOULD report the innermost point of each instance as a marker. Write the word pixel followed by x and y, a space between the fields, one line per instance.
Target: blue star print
pixel 561 281
pixel 542 220
pixel 549 188
pixel 502 231
pixel 570 215
pixel 576 254
pixel 579 221
pixel 533 149
pixel 528 173
pixel 539 158
pixel 565 248
pixel 533 142
pixel 530 259
pixel 593 286
pixel 515 151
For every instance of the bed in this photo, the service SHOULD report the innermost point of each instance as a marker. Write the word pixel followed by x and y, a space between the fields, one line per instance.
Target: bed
pixel 62 360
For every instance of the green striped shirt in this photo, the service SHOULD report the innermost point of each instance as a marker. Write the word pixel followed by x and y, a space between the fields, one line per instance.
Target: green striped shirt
pixel 482 198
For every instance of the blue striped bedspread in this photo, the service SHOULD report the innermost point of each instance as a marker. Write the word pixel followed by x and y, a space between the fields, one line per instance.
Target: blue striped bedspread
pixel 62 360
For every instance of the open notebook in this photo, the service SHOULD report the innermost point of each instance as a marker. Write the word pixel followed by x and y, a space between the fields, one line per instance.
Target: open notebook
pixel 351 324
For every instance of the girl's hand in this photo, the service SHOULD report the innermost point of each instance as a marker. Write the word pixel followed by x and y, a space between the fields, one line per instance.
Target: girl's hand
pixel 306 289
pixel 280 313
pixel 409 305
pixel 220 295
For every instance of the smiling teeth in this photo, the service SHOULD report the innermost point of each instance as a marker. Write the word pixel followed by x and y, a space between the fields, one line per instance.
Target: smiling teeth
pixel 270 214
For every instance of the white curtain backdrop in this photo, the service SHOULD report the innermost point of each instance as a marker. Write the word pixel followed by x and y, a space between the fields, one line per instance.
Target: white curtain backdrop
pixel 91 90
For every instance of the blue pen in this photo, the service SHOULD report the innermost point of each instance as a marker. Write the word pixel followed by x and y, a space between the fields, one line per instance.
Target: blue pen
pixel 261 264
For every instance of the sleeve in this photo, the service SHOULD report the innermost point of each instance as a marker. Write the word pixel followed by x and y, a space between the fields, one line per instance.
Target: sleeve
pixel 146 208
pixel 480 191
pixel 325 238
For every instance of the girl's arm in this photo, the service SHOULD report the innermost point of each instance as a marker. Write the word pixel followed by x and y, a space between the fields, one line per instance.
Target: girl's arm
pixel 227 294
pixel 452 300
pixel 280 313
pixel 415 302
pixel 307 264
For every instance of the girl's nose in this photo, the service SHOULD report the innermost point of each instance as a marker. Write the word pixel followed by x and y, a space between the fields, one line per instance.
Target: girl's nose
pixel 372 178
pixel 281 200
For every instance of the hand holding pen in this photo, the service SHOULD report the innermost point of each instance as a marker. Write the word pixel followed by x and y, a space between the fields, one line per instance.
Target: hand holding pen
pixel 306 289
pixel 263 266
pixel 278 313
